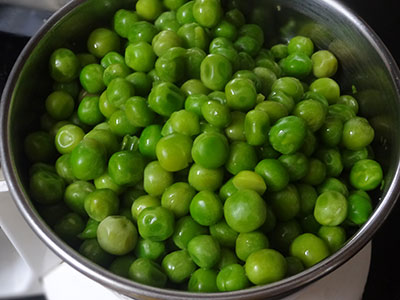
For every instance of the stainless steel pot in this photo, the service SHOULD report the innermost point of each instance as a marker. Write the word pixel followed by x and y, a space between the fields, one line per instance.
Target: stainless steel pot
pixel 368 66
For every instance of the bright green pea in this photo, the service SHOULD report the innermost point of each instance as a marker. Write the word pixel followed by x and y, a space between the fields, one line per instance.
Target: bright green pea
pixel 227 190
pixel 225 29
pixel 123 21
pixel 241 157
pixel 290 86
pixel 165 98
pixel 334 237
pixel 258 83
pixel 275 110
pixel 311 111
pixel 357 133
pixel 296 164
pixel 232 278
pixel 256 127
pixel 120 125
pixel 140 56
pixel 325 64
pixel 115 71
pixel 126 167
pixel 288 134
pixel 146 271
pixel 138 112
pixel 265 266
pixel 359 209
pixel 90 231
pixel 210 150
pixel 193 60
pixel 279 51
pixel 245 211
pixel 142 31
pixel 247 243
pixel 63 65
pixel 301 44
pixel 165 40
pixel 216 114
pixel 149 9
pixel 117 235
pixel 118 91
pixel 142 202
pixel 167 21
pixel 59 105
pixel 177 198
pixel 194 87
pixel 215 71
pixel 185 122
pixel 156 179
pixel 349 101
pixel 205 179
pixel 150 249
pixel 156 223
pixel 100 204
pixel 106 182
pixel 101 41
pixel 173 152
pixel 148 141
pixel 169 66
pixel 105 106
pixel 141 82
pixel 330 208
pixel 203 280
pixel 68 137
pixel 309 248
pixel 207 13
pixel 204 250
pixel 184 14
pixel 285 203
pixel 241 94
pixel 235 130
pixel 89 112
pixel 249 180
pixel 185 230
pixel 366 174
pixel 282 98
pixel 328 88
pixel 194 35
pixel 206 208
pixel 297 64
pixel 178 266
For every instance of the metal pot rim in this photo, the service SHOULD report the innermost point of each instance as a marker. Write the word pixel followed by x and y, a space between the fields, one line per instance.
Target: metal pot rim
pixel 128 287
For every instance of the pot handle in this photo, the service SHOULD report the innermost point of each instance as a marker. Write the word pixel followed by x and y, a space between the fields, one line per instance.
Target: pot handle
pixel 22 254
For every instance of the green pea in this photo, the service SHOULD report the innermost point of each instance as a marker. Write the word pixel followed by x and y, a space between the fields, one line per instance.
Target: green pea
pixel 193 35
pixel 126 167
pixel 316 172
pixel 138 112
pixel 359 209
pixel 248 44
pixel 207 13
pixel 296 164
pixel 249 180
pixel 90 231
pixel 349 101
pixel 325 64
pixel 86 59
pixel 89 112
pixel 142 31
pixel 156 223
pixel 297 64
pixel 235 130
pixel 185 230
pixel 236 17
pixel 227 190
pixel 285 203
pixel 105 106
pixel 328 88
pixel 232 278
pixel 185 122
pixel 241 94
pixel 59 105
pixel 256 127
pixel 247 243
pixel 279 51
pixel 311 111
pixel 225 235
pixel 91 249
pixel 120 125
pixel 105 182
pixel 331 131
pixel 330 208
pixel 290 86
pixel 100 204
pixel 332 159
pixel 215 71
pixel 63 65
pixel 275 110
pixel 149 9
pixel 178 266
pixel 241 157
pixel 75 194
pixel 165 40
pixel 203 280
pixel 119 70
pixel 210 150
pixel 120 265
pixel 284 234
pixel 284 99
pixel 205 179
pixel 308 196
pixel 301 44
pixel 156 179
pixel 148 140
pixel 173 152
pixel 309 248
pixel 193 60
pixel 140 56
pixel 204 250
pixel 245 211
pixel 142 202
pixel 177 198
pixel 184 14
pixel 46 187
pixel 145 271
pixel 357 133
pixel 68 137
pixel 294 266
pixel 216 114
pixel 169 66
pixel 141 82
pixel 341 111
pixel 334 237
pixel 225 29
pixel 123 21
pixel 101 41
pixel 366 174
pixel 118 91
pixel 271 65
pixel 150 249
pixel 245 61
pixel 64 168
pixel 265 266
pixel 165 98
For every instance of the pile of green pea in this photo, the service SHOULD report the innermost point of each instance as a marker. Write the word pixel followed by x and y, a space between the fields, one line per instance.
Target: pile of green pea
pixel 180 152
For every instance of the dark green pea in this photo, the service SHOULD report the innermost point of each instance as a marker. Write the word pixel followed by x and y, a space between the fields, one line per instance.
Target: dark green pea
pixel 250 75
pixel 118 91
pixel 36 167
pixel 169 66
pixel 105 106
pixel 225 235
pixel 231 278
pixel 359 209
pixel 308 196
pixel 174 152
pixel 91 249
pixel 193 60
pixel 101 41
pixel 75 194
pixel 186 229
pixel 120 266
pixel 316 172
pixel 148 141
pixel 59 105
pixel 141 82
pixel 47 122
pixel 256 127
pixel 265 54
pixel 120 125
pixel 227 190
pixel 245 62
pixel 64 66
pixel 124 20
pixel 271 65
pixel 349 101
pixel 283 235
pixel 235 131
pixel 89 112
pixel 210 150
pixel 325 64
pixel 140 56
pixel 279 51
pixel 241 94
pixel 228 257
pixel 330 208
pixel 328 88
pixel 167 21
pixel 350 157
pixel 310 224
pixel 236 17
pixel 284 99
pixel 332 159
pixel 205 179
pixel 138 112
pixel 178 266
pixel 156 223
pixel 247 44
pixel 296 164
pixel 64 168
pixel 100 204
pixel 46 187
pixel 215 71
pixel 316 96
pixel 184 14
pixel 203 280
pixel 267 151
pixel 334 237
pixel 366 174
pixel 341 111
pixel 207 13
pixel 216 114
pixel 193 35
pixel 274 109
pixel 331 131
pixel 241 157
pixel 247 243
pixel 165 98
pixel 204 250
pixel 126 167
pixel 357 133
pixel 285 203
pixel 294 266
pixel 297 64
pixel 290 86
pixel 145 271
pixel 150 249
pixel 90 230
pixel 194 87
pixel 225 29
pixel 288 134
pixel 71 87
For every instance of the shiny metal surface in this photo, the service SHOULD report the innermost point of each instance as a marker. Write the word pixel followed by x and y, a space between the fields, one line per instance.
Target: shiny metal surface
pixel 369 68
